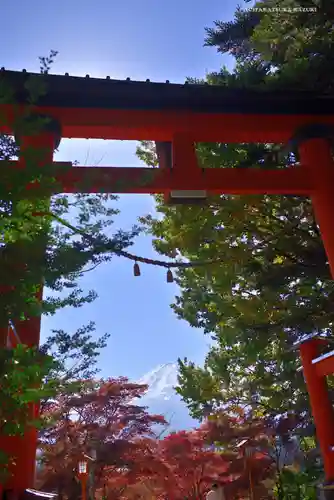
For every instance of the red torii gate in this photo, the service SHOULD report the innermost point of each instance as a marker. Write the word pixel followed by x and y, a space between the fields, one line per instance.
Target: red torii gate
pixel 176 117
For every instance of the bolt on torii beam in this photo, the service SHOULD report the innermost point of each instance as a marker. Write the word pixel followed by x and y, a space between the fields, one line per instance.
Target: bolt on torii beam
pixel 176 117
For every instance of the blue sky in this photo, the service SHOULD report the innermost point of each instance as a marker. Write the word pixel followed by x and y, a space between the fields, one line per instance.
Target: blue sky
pixel 140 39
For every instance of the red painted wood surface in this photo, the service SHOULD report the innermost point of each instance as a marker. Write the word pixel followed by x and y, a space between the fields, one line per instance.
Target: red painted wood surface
pixel 325 367
pixel 216 181
pixel 321 405
pixel 183 128
pixel 163 125
pixel 23 449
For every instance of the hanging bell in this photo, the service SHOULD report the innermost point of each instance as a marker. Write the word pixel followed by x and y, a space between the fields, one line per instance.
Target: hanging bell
pixel 170 278
pixel 136 269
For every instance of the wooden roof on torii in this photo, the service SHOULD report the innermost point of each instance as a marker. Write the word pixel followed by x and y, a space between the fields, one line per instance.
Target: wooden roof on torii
pixel 182 114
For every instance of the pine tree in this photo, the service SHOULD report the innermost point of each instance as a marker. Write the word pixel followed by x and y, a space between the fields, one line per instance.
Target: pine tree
pixel 270 283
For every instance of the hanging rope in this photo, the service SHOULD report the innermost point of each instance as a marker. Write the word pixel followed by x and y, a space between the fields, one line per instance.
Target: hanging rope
pixel 130 256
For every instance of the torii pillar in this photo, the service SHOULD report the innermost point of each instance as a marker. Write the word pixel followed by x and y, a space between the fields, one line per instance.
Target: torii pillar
pixel 316 156
pixel 23 448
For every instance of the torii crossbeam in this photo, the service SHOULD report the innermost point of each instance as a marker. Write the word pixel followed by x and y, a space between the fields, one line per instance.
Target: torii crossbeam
pixel 177 117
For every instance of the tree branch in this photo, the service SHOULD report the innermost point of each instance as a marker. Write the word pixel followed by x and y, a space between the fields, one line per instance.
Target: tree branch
pixel 122 253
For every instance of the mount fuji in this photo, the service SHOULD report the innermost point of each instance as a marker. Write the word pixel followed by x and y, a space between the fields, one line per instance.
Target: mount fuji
pixel 162 399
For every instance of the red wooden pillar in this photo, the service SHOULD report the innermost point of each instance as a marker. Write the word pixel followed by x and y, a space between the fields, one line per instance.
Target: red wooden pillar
pixel 181 158
pixel 315 155
pixel 320 404
pixel 24 448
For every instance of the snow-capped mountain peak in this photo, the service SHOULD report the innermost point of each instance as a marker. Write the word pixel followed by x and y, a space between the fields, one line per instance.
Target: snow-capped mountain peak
pixel 162 399
pixel 161 381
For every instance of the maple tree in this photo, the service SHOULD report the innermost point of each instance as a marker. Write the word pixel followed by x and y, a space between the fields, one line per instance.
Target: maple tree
pixel 191 468
pixel 234 448
pixel 177 467
pixel 185 464
pixel 266 457
pixel 102 420
pixel 141 477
